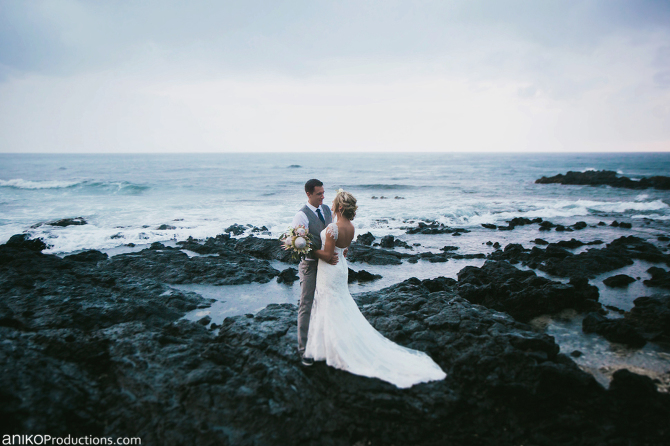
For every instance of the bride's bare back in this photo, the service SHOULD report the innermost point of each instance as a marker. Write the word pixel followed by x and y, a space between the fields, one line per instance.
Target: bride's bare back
pixel 345 231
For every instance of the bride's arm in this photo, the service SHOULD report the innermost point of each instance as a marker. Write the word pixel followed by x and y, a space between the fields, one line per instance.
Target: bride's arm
pixel 327 253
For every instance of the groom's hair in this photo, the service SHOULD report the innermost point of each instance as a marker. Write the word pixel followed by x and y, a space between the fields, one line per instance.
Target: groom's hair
pixel 311 184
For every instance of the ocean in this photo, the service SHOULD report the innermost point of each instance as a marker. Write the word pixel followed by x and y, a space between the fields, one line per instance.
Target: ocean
pixel 126 198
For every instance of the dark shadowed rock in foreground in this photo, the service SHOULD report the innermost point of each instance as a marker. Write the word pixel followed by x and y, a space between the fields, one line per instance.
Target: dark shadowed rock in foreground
pixel 87 350
pixel 523 294
pixel 607 178
pixel 659 278
pixel 614 330
pixel 648 320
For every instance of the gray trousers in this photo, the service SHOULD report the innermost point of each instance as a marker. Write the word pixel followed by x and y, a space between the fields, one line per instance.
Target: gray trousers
pixel 307 273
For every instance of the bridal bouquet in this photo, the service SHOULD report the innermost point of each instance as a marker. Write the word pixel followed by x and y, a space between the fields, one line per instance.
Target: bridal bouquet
pixel 297 240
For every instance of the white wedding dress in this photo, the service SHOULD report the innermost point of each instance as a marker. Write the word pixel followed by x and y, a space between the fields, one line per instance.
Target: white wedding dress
pixel 340 334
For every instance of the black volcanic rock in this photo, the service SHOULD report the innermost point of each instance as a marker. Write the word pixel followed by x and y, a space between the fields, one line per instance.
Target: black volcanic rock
pixel 651 314
pixel 82 356
pixel 659 278
pixel 374 256
pixel 21 241
pixel 79 221
pixel 433 227
pixel 523 294
pixel 264 248
pixel 366 239
pixel 618 281
pixel 170 265
pixel 607 178
pixel 560 262
pixel 289 275
pixel 614 330
pixel 88 256
pixel 362 276
pixel 236 229
pixel 648 320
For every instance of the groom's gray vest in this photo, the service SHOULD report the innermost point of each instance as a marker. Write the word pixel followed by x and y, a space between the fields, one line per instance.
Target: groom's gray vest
pixel 315 226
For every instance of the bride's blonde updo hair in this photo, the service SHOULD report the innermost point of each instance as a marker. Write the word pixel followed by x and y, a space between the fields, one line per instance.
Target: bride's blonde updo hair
pixel 345 201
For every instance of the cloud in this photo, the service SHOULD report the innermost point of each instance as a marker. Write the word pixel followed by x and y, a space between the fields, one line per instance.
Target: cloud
pixel 365 75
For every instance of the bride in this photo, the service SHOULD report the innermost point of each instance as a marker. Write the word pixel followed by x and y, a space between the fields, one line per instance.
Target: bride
pixel 339 334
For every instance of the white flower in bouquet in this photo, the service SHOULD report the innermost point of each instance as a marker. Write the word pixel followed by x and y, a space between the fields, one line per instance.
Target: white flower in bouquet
pixel 296 241
pixel 300 242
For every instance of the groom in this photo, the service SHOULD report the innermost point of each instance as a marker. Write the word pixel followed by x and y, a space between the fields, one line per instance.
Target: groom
pixel 315 217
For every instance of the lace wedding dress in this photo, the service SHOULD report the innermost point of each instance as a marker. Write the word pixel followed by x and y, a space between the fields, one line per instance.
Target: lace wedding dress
pixel 340 334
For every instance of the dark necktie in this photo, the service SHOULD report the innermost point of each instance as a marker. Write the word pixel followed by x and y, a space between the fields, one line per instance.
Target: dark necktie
pixel 318 212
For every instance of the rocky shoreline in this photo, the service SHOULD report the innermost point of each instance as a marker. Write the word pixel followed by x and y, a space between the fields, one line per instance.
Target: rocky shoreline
pixel 93 345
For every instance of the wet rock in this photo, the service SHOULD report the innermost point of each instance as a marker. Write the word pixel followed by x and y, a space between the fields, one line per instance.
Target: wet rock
pixel 618 281
pixel 374 256
pixel 659 278
pixel 88 256
pixel 546 226
pixel 205 320
pixel 614 330
pixel 222 244
pixel 171 265
pixel 79 221
pixel 625 225
pixel 236 229
pixel 82 357
pixel 289 275
pixel 518 221
pixel 608 178
pixel 561 262
pixel 362 276
pixel 489 226
pixel 264 248
pixel 523 294
pixel 387 241
pixel 165 227
pixel 23 242
pixel 579 225
pixel 539 241
pixel 651 314
pixel 365 239
pixel 663 238
pixel 448 248
pixel 433 227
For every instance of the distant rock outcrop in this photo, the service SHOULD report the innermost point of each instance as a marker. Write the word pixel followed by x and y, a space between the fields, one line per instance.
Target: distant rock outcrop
pixel 607 178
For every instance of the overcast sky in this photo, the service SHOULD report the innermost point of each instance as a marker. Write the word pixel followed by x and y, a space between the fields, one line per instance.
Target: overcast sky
pixel 224 76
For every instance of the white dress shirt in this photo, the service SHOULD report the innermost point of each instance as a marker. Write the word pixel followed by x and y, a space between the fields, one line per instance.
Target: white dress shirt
pixel 301 219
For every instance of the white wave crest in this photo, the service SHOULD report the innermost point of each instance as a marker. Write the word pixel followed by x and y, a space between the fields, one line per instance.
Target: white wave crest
pixel 19 183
